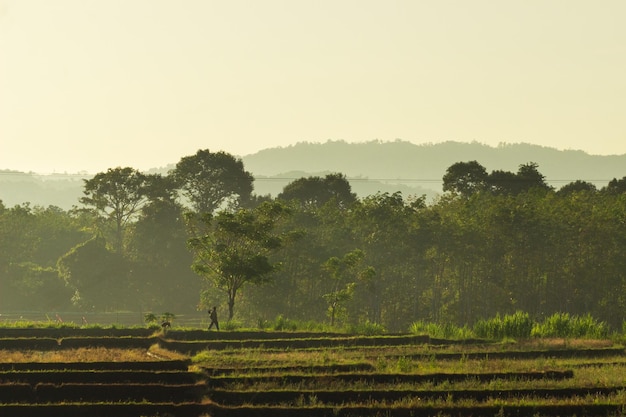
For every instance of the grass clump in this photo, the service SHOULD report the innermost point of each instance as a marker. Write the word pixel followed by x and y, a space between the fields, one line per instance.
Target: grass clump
pixel 368 329
pixel 517 326
pixel 565 325
pixel 440 330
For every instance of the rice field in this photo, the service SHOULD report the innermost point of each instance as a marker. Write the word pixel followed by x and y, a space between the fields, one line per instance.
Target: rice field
pixel 186 373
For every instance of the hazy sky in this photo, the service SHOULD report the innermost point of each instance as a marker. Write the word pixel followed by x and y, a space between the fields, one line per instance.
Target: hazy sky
pixel 95 84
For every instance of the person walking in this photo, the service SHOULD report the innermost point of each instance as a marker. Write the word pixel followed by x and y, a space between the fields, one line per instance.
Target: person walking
pixel 213 316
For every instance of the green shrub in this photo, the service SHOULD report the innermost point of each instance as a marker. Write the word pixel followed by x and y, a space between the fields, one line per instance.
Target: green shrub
pixel 564 325
pixel 517 325
pixel 368 328
pixel 443 330
pixel 589 328
pixel 282 323
pixel 557 325
pixel 231 325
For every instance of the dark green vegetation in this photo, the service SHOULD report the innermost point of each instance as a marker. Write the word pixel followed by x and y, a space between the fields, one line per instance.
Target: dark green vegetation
pixel 295 374
pixel 494 243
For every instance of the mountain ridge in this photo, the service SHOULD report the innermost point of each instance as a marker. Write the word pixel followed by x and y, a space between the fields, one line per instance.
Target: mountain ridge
pixel 371 167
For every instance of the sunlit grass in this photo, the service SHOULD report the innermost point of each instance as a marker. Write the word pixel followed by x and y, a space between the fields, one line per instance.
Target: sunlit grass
pixel 91 354
pixel 378 355
pixel 606 376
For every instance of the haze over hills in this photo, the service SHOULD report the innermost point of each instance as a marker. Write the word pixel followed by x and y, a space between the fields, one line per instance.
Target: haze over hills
pixel 371 167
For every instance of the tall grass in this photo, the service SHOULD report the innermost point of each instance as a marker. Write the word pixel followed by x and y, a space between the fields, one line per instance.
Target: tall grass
pixel 565 325
pixel 519 326
pixel 368 328
pixel 441 330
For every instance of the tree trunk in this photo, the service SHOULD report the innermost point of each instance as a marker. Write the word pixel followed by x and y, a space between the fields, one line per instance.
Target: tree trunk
pixel 231 304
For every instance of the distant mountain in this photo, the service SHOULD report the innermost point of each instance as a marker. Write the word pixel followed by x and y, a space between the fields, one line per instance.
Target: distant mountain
pixel 61 190
pixel 371 167
pixel 419 169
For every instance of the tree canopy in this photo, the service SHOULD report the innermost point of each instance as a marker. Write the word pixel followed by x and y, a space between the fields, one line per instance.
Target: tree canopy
pixel 210 180
pixel 316 191
pixel 499 244
pixel 232 249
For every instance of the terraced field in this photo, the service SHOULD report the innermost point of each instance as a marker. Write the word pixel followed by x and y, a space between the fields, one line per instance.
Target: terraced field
pixel 133 372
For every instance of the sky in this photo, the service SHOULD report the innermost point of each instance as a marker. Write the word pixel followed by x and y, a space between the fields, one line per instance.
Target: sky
pixel 87 85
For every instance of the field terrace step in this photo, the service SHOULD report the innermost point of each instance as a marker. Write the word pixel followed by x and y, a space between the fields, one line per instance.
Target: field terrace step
pixel 521 354
pixel 143 409
pixel 589 410
pixel 48 344
pixel 98 393
pixel 61 332
pixel 192 347
pixel 322 379
pixel 356 367
pixel 165 365
pixel 99 377
pixel 276 397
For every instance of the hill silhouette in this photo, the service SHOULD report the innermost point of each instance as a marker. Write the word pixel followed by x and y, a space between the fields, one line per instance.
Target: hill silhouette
pixel 419 169
pixel 371 167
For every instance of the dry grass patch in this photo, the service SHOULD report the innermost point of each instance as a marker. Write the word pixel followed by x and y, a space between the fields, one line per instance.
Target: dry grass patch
pixel 562 343
pixel 95 354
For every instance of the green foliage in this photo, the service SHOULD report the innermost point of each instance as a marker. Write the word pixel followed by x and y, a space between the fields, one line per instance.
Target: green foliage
pixel 232 249
pixel 367 328
pixel 97 276
pixel 344 272
pixel 440 330
pixel 511 243
pixel 212 180
pixel 316 191
pixel 568 326
pixel 282 323
pixel 150 318
pixel 203 356
pixel 232 325
pixel 168 316
pixel 118 195
pixel 153 321
pixel 517 325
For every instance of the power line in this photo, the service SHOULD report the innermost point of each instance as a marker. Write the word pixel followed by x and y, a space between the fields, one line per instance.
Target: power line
pixel 263 178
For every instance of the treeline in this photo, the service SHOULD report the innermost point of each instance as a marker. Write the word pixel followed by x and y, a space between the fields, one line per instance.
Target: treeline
pixel 493 243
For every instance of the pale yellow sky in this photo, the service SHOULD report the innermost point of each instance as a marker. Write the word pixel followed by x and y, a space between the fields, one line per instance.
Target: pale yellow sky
pixel 93 84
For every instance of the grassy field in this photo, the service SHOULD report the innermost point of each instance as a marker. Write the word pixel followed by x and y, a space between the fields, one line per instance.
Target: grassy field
pixel 122 372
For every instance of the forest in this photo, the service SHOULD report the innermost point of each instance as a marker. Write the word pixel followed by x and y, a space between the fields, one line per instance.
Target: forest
pixel 492 243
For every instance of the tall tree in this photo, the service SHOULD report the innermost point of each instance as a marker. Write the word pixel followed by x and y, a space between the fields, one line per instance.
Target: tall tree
pixel 161 260
pixel 211 180
pixel 527 177
pixel 118 196
pixel 465 178
pixel 616 186
pixel 345 272
pixel 98 277
pixel 232 249
pixel 316 191
pixel 575 187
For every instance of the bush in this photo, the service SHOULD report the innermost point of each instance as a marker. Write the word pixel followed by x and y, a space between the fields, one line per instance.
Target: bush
pixel 282 323
pixel 445 330
pixel 368 328
pixel 231 325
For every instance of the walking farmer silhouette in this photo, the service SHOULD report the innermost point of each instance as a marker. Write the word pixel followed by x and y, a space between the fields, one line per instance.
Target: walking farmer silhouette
pixel 213 316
